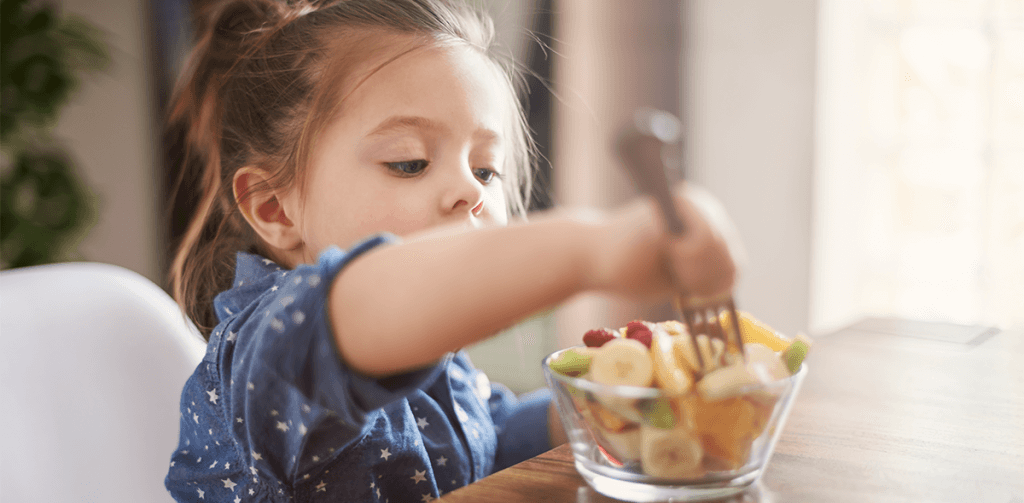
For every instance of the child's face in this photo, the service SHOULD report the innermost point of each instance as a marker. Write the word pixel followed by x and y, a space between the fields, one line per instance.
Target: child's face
pixel 418 144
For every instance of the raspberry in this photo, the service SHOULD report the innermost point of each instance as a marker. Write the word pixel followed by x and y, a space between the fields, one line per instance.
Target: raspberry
pixel 598 337
pixel 636 325
pixel 643 335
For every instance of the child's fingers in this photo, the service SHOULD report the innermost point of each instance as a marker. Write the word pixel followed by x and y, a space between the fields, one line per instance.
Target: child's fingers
pixel 703 267
pixel 714 212
pixel 701 259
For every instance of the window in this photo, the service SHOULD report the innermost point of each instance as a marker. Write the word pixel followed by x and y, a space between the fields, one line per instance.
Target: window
pixel 919 190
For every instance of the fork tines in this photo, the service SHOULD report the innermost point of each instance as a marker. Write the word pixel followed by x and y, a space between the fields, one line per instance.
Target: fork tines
pixel 720 345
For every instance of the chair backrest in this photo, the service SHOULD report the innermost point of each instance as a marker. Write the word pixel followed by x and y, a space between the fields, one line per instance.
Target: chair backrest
pixel 93 358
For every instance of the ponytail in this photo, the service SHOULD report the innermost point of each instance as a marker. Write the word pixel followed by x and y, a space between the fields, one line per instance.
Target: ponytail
pixel 204 261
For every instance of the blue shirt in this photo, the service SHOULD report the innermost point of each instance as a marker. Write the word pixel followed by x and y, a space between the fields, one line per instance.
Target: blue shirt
pixel 273 414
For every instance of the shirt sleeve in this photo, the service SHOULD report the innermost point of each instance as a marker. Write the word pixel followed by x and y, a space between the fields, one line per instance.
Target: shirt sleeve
pixel 289 386
pixel 521 424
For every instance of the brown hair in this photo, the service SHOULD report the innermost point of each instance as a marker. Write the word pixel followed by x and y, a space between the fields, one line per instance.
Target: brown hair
pixel 260 83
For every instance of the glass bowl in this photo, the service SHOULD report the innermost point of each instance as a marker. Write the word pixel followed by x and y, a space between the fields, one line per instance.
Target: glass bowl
pixel 642 444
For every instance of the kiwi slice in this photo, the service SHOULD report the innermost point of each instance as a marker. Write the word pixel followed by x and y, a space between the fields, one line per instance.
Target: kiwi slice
pixel 572 362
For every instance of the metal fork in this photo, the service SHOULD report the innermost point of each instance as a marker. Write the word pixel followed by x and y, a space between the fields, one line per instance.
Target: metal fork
pixel 643 148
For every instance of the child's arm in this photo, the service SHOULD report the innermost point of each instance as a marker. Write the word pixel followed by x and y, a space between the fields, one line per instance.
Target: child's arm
pixel 402 307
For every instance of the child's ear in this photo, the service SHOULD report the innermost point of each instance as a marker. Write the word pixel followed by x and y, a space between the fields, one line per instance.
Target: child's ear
pixel 265 209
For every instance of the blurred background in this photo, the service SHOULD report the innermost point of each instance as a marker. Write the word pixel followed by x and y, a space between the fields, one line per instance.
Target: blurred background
pixel 870 152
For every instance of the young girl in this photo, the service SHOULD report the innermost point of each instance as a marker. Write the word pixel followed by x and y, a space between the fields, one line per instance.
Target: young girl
pixel 357 164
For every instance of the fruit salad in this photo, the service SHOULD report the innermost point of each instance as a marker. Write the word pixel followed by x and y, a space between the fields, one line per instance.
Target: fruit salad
pixel 711 407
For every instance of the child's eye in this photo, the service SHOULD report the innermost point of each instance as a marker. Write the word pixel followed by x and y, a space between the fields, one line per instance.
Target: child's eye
pixel 407 168
pixel 486 175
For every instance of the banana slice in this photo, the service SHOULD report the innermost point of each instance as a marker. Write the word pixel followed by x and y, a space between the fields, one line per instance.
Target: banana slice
pixel 624 446
pixel 621 406
pixel 725 382
pixel 668 373
pixel 764 363
pixel 674 327
pixel 685 352
pixel 606 419
pixel 622 362
pixel 711 351
pixel 717 351
pixel 673 453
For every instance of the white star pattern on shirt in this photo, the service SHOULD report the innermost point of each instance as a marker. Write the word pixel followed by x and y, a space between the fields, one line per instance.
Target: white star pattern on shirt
pixel 226 310
pixel 298 317
pixel 277 324
pixel 213 395
pixel 442 461
pixel 256 456
pixel 232 336
pixel 238 420
pixel 202 495
pixel 195 417
pixel 273 288
pixel 214 464
pixel 228 484
pixel 267 261
pixel 422 423
pixel 282 426
pixel 237 499
pixel 250 386
pixel 321 487
pixel 302 429
pixel 378 492
pixel 419 476
pixel 252 469
pixel 385 453
pixel 427 498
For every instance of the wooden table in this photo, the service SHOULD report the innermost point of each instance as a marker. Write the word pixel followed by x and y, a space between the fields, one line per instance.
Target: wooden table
pixel 891 411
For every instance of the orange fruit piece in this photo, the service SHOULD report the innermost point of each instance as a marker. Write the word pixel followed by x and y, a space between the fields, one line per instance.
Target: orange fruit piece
pixel 727 428
pixel 754 330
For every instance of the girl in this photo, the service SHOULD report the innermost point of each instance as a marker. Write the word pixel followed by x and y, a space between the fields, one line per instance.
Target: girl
pixel 358 163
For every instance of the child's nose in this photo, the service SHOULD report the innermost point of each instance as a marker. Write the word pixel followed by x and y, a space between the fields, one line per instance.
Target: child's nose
pixel 463 194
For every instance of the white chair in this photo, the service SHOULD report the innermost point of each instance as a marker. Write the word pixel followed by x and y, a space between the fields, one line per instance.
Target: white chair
pixel 93 358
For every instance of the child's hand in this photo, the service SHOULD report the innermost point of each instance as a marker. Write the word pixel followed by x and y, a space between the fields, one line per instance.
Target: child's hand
pixel 637 256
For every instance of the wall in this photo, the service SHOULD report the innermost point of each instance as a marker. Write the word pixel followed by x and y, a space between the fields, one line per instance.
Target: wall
pixel 749 108
pixel 109 128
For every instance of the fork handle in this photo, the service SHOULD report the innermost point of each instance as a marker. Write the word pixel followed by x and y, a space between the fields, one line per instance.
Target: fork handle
pixel 643 154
